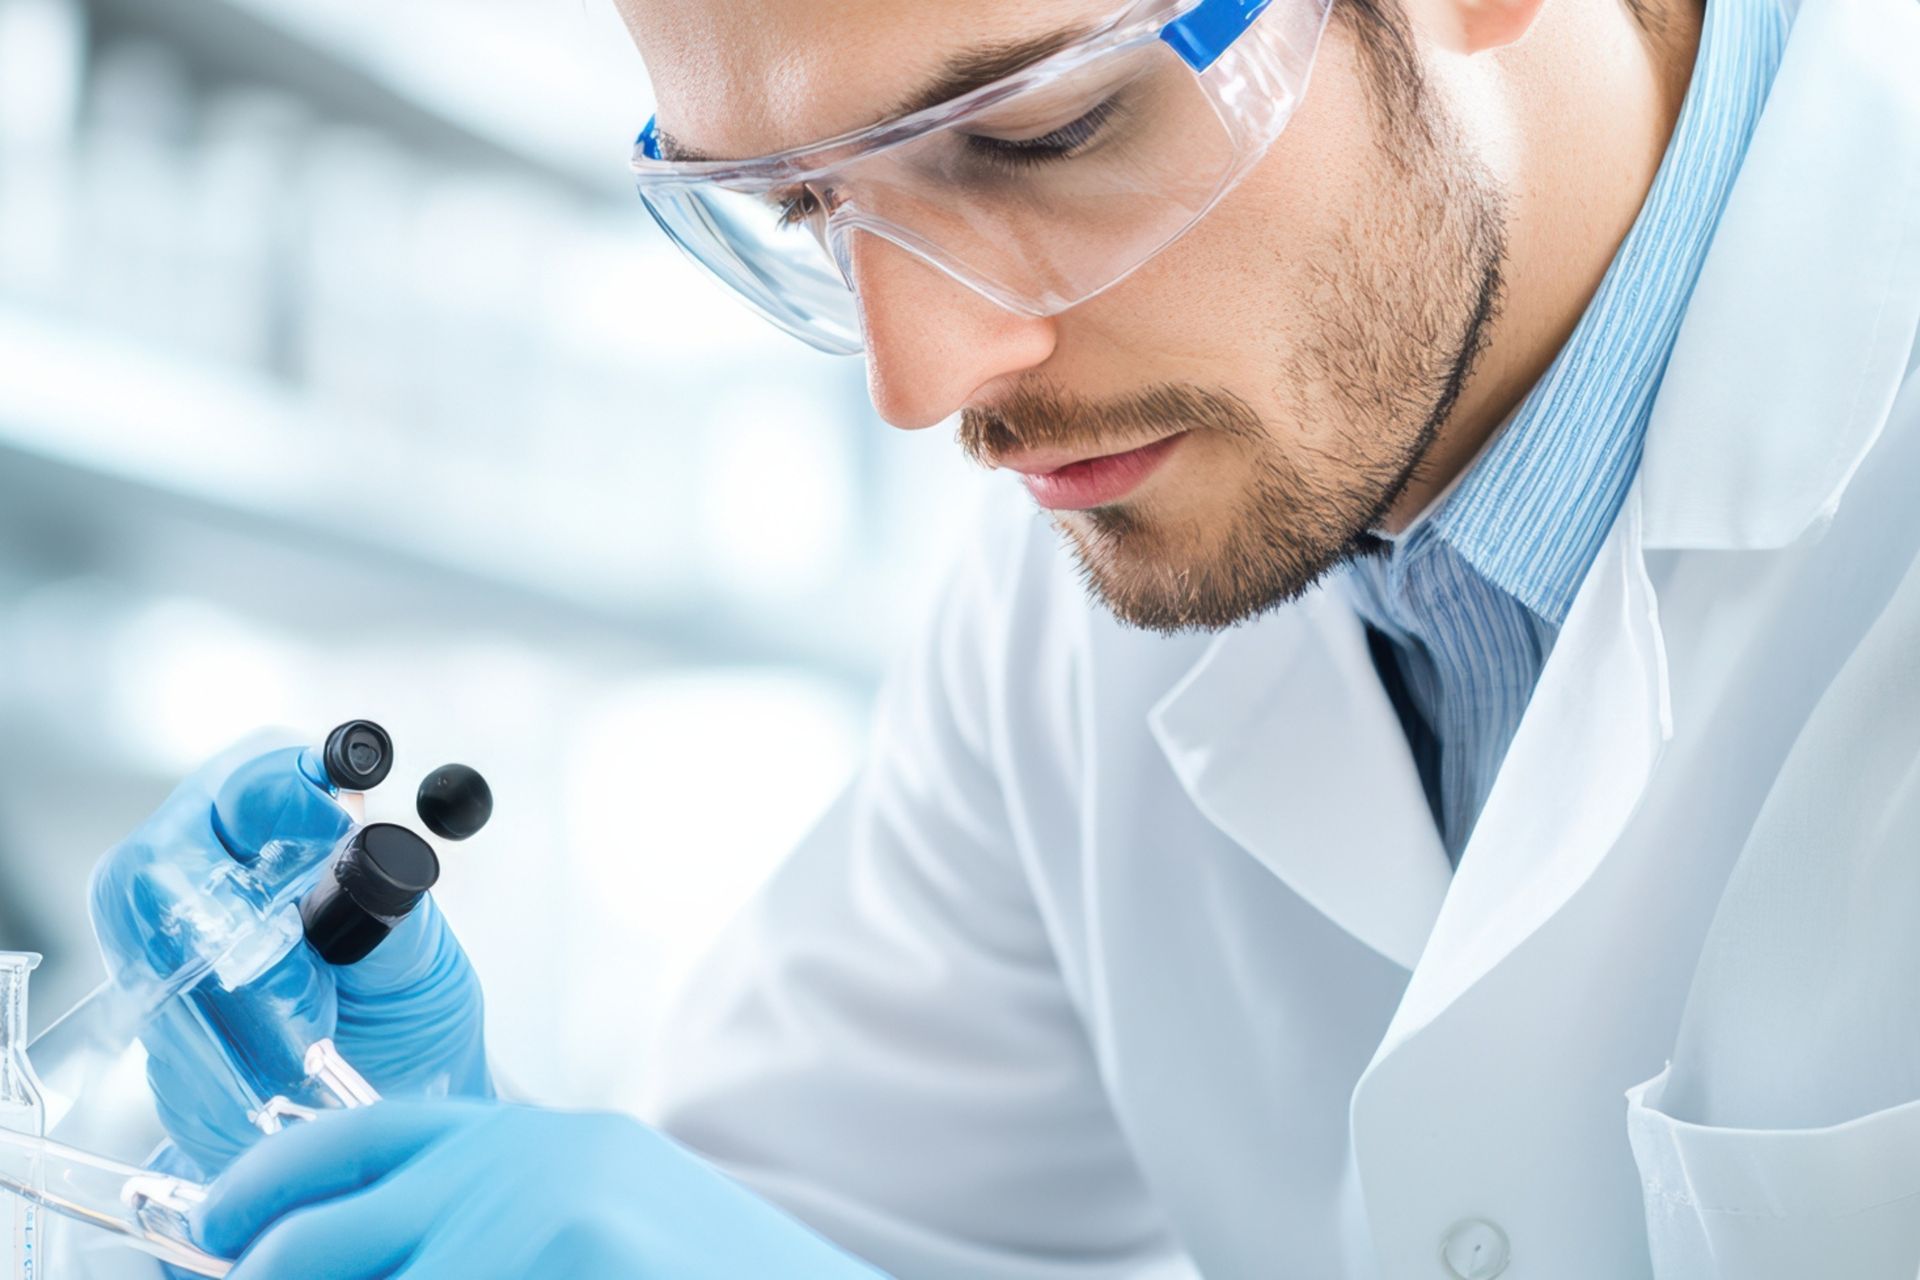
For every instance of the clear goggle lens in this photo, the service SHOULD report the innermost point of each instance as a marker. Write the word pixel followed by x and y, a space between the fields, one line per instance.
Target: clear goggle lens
pixel 1038 198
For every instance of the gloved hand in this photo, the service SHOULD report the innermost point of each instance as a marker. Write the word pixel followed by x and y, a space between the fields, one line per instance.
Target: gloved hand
pixel 463 1190
pixel 409 1017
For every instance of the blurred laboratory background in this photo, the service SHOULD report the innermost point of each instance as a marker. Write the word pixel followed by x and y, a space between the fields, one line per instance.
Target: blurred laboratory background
pixel 341 374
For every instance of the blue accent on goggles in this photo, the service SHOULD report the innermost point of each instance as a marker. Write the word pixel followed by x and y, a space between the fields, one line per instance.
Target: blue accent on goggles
pixel 1203 33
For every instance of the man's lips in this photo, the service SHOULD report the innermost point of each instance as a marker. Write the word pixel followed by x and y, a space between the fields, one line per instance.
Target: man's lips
pixel 1062 482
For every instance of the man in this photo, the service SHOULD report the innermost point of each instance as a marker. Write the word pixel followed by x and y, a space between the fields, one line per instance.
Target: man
pixel 1465 665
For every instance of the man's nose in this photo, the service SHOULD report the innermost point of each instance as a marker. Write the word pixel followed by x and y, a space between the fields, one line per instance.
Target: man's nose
pixel 932 343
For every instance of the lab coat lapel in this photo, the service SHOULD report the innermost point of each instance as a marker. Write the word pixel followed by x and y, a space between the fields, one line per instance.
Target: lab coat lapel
pixel 1781 380
pixel 1576 769
pixel 1283 737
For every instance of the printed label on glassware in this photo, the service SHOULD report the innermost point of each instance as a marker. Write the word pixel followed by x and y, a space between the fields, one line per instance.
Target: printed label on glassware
pixel 20 1229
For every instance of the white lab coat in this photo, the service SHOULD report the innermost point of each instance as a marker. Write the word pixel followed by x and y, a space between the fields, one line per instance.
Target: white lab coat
pixel 1131 957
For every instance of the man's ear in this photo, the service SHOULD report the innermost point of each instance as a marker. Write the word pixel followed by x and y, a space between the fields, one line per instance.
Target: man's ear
pixel 1474 26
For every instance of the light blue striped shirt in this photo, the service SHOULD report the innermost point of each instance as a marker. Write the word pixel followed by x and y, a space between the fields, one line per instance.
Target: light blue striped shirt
pixel 1465 605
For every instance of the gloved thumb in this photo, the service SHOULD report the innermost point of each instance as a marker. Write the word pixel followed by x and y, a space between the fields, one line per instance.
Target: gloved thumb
pixel 274 807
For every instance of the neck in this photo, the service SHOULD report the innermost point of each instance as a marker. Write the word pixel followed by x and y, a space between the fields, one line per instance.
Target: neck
pixel 1587 103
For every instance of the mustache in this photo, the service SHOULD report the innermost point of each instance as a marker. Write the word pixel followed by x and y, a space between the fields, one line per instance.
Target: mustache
pixel 1042 416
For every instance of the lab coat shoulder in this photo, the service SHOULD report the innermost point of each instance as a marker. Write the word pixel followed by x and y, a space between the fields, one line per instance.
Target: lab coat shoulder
pixel 883 1042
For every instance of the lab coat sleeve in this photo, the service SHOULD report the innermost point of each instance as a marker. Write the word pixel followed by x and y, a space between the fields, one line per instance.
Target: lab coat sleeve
pixel 883 1043
pixel 1783 1141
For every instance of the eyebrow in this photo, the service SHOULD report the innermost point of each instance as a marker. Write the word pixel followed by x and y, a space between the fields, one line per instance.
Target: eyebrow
pixel 960 74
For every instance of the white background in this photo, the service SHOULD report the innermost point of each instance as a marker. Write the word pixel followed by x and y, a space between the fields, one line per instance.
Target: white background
pixel 341 374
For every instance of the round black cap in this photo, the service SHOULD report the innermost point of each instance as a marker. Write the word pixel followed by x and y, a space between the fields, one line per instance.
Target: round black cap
pixel 358 755
pixel 377 878
pixel 386 868
pixel 454 801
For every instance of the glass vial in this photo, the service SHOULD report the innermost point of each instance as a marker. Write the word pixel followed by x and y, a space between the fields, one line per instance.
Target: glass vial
pixel 23 1109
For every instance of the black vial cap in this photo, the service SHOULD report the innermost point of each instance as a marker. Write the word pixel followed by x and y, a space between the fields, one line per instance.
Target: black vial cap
pixel 358 755
pixel 373 883
pixel 454 801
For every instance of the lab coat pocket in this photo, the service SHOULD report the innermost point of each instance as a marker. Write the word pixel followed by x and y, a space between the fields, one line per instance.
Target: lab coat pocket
pixel 1778 1204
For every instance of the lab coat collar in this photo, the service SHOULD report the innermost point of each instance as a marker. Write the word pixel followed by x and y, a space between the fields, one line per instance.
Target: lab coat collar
pixel 1794 345
pixel 1795 341
pixel 1284 738
pixel 1802 324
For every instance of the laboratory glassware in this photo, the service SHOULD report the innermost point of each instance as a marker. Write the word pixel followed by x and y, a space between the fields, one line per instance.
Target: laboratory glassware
pixel 230 943
pixel 144 1210
pixel 22 1111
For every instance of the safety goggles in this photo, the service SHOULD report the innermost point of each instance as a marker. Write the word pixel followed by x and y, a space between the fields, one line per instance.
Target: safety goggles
pixel 1038 190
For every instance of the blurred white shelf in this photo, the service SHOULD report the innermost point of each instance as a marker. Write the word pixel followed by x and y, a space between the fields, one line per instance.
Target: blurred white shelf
pixel 552 89
pixel 115 409
pixel 70 394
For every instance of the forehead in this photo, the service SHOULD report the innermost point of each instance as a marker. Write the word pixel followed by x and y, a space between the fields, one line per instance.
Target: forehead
pixel 747 77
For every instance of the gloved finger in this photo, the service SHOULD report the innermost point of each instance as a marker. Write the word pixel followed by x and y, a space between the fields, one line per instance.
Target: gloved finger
pixel 142 890
pixel 183 814
pixel 411 1016
pixel 206 779
pixel 201 1106
pixel 417 954
pixel 268 808
pixel 338 1153
pixel 364 1235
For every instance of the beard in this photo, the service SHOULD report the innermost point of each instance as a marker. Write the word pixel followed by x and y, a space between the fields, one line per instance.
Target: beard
pixel 1401 301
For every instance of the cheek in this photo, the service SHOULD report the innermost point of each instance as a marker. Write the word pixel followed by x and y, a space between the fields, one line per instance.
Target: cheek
pixel 1231 300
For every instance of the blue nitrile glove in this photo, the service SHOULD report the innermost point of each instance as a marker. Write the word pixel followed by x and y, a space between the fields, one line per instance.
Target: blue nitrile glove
pixel 408 1017
pixel 463 1190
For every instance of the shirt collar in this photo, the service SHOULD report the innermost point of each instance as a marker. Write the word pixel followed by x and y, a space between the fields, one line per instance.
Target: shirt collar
pixel 1532 512
pixel 1801 329
pixel 1439 500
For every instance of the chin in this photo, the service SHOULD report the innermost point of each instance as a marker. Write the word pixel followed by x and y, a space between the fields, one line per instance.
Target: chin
pixel 1161 575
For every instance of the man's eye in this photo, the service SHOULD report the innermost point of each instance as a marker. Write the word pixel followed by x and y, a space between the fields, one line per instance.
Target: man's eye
pixel 1067 141
pixel 798 209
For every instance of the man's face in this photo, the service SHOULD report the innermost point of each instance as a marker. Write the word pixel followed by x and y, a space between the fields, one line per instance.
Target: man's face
pixel 1288 361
